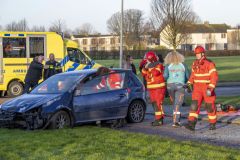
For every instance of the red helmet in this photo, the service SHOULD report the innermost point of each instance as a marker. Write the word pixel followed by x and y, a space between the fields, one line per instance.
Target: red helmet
pixel 199 49
pixel 151 56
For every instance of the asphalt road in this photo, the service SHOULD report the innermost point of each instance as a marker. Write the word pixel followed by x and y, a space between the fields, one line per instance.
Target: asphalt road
pixel 225 134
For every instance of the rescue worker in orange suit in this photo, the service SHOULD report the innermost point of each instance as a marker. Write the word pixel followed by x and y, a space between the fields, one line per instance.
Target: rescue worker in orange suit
pixel 152 71
pixel 111 81
pixel 203 79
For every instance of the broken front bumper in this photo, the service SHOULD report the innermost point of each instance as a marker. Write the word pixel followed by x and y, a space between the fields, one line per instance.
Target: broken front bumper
pixel 30 120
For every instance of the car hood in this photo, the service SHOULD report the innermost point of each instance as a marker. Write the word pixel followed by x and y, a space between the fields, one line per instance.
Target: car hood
pixel 28 101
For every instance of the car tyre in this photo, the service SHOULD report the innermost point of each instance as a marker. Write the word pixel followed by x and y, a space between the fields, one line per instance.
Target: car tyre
pixel 60 120
pixel 136 112
pixel 15 89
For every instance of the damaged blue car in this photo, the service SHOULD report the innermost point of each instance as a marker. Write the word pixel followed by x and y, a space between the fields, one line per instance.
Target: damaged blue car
pixel 72 98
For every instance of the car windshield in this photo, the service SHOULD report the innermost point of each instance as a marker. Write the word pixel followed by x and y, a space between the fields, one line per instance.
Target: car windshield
pixel 56 84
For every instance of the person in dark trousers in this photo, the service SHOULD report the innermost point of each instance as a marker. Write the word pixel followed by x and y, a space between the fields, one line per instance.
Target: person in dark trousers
pixel 34 73
pixel 51 67
pixel 129 64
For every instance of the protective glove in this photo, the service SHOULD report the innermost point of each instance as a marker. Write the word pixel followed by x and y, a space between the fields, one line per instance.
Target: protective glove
pixel 147 65
pixel 209 92
pixel 143 63
pixel 188 87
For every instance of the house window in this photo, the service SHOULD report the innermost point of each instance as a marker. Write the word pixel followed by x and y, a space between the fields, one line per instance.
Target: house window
pixel 94 41
pixel 112 41
pixel 84 41
pixel 102 41
pixel 223 35
pixel 93 49
pixel 102 48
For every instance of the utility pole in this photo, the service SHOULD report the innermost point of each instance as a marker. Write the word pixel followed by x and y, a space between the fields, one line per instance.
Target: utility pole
pixel 121 37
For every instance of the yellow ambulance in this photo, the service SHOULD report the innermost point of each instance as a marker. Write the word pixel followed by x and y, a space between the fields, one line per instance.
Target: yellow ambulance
pixel 17 50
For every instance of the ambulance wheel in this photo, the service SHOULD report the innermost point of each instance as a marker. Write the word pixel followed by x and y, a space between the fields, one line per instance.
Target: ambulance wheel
pixel 136 112
pixel 15 89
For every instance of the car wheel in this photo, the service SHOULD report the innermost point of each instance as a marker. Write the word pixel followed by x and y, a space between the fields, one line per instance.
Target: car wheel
pixel 15 89
pixel 60 120
pixel 136 112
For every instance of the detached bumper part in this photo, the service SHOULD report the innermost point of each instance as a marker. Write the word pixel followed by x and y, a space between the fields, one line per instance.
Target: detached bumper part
pixel 30 120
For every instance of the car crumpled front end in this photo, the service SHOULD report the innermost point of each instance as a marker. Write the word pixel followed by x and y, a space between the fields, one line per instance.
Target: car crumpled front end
pixel 32 119
pixel 28 115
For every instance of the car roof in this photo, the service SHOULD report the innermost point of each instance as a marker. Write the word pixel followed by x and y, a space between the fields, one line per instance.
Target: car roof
pixel 87 72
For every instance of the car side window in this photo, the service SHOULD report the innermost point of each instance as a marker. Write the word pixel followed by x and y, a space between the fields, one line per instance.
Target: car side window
pixel 133 81
pixel 109 82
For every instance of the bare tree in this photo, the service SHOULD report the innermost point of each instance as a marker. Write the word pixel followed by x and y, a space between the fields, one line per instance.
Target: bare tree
pixel 0 28
pixel 133 26
pixel 17 26
pixel 171 17
pixel 58 26
pixel 85 29
pixel 38 29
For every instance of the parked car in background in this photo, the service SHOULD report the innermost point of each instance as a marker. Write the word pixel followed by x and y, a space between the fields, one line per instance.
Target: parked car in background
pixel 72 98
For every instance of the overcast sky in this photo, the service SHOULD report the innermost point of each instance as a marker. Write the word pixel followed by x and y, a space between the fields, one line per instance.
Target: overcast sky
pixel 96 12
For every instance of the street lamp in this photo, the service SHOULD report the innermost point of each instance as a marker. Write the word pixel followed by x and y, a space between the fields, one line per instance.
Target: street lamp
pixel 121 36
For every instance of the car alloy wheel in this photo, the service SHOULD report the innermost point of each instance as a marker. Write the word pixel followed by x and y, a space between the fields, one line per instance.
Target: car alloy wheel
pixel 60 120
pixel 136 112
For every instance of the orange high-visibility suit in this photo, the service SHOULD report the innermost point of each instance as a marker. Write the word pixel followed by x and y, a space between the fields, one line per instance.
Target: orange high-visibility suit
pixel 156 87
pixel 204 77
pixel 112 81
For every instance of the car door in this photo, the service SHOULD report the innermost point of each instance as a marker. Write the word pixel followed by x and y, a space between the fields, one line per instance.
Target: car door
pixel 100 104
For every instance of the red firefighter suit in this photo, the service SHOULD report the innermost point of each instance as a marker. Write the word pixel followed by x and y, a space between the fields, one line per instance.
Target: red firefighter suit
pixel 156 87
pixel 204 78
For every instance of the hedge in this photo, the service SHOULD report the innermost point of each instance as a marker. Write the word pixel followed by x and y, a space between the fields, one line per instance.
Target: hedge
pixel 137 54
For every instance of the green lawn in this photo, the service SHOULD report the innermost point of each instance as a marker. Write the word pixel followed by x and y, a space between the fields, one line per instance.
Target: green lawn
pixel 95 143
pixel 228 67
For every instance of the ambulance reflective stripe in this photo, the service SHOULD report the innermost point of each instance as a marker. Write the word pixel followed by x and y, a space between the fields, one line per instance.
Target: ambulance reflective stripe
pixel 64 61
pixel 73 67
pixel 14 35
pixel 89 66
pixel 193 115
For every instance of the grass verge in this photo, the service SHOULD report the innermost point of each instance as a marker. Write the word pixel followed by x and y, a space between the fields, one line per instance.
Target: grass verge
pixel 92 143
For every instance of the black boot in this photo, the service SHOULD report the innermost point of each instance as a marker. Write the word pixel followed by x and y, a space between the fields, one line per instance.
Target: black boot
pixel 158 122
pixel 212 126
pixel 190 126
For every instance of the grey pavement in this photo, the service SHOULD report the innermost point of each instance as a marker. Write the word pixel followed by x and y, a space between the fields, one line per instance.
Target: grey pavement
pixel 168 110
pixel 225 134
